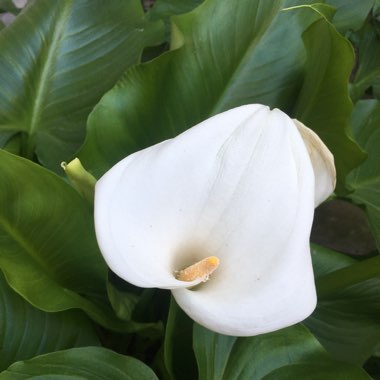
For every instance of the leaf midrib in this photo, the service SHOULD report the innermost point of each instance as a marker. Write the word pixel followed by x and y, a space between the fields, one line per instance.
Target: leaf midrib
pixel 15 236
pixel 246 54
pixel 43 83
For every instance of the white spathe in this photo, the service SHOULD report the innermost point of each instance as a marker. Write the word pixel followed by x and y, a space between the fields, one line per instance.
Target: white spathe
pixel 240 186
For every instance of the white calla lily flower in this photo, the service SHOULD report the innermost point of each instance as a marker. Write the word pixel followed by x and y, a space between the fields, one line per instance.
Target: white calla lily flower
pixel 221 215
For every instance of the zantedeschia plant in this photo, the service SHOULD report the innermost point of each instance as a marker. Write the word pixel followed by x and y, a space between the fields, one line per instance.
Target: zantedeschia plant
pixel 218 217
pixel 221 215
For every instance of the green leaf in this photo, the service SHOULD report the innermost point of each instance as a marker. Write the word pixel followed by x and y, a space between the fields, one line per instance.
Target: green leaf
pixel 346 320
pixel 148 307
pixel 319 371
pixel 368 70
pixel 350 14
pixel 10 142
pixel 338 281
pixel 212 352
pixel 90 363
pixel 26 331
pixel 57 60
pixel 365 180
pixel 229 62
pixel 372 366
pixel 178 354
pixel 163 9
pixel 323 103
pixel 376 87
pixel 48 250
pixel 123 303
pixel 230 65
pixel 326 260
pixel 265 356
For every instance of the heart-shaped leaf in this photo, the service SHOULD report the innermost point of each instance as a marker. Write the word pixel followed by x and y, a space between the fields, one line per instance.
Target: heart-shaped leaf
pixel 212 71
pixel 222 62
pixel 57 60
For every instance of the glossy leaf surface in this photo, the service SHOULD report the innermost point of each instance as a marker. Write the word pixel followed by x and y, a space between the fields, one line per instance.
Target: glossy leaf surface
pixel 350 14
pixel 52 59
pixel 91 363
pixel 325 107
pixel 48 251
pixel 219 65
pixel 167 8
pixel 282 354
pixel 346 318
pixel 26 331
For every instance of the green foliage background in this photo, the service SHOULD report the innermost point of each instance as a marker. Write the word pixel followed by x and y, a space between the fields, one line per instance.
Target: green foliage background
pixel 102 79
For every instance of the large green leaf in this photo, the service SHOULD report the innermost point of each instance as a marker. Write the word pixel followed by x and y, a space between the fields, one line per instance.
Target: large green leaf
pixel 268 356
pixel 347 318
pixel 26 332
pixel 56 61
pixel 222 62
pixel 48 250
pixel 365 180
pixel 323 103
pixel 90 363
